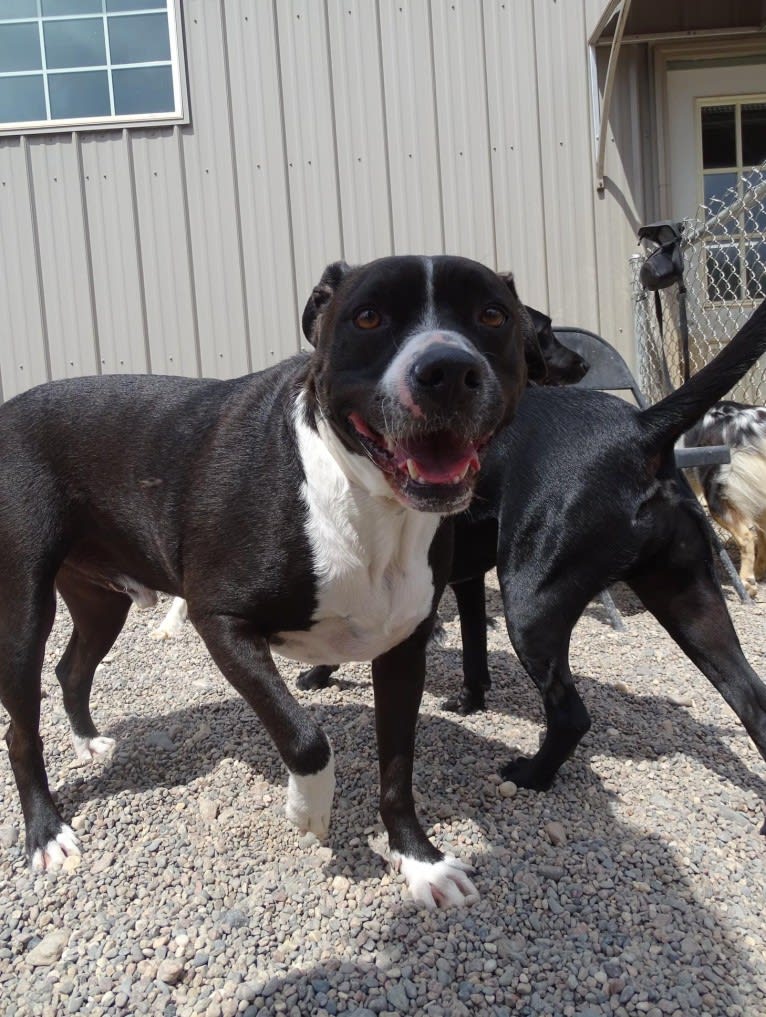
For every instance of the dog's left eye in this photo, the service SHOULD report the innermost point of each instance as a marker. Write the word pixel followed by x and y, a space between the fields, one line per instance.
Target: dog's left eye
pixel 493 317
pixel 368 318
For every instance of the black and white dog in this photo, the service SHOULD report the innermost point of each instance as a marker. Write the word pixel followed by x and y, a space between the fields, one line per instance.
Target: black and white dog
pixel 548 363
pixel 735 492
pixel 581 492
pixel 301 508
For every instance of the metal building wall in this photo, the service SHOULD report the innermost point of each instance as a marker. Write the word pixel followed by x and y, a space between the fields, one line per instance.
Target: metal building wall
pixel 319 129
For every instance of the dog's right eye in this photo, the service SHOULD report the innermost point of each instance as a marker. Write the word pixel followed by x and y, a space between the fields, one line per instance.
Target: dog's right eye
pixel 493 317
pixel 367 319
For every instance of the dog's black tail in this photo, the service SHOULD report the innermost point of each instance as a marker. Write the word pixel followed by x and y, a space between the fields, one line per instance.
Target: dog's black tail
pixel 668 419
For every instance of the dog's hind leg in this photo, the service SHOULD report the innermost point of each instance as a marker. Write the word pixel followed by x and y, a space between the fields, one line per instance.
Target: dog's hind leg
pixel 760 552
pixel 98 616
pixel 26 619
pixel 540 633
pixel 746 536
pixel 472 607
pixel 686 600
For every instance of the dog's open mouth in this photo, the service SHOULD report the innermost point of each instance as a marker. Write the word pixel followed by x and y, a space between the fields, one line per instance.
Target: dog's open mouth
pixel 440 463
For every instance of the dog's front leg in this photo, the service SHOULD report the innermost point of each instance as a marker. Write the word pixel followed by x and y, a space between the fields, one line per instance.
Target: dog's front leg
pixel 245 660
pixel 398 678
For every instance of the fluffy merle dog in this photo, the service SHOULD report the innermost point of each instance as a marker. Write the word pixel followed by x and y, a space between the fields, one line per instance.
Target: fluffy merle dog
pixel 735 492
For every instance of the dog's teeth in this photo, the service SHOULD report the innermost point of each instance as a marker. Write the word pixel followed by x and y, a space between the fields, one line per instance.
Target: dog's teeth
pixel 412 469
pixel 458 477
pixel 390 443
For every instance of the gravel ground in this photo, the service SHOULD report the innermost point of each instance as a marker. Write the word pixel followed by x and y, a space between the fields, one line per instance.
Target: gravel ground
pixel 634 887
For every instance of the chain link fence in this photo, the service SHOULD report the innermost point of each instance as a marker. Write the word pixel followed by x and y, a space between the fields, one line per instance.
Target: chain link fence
pixel 724 250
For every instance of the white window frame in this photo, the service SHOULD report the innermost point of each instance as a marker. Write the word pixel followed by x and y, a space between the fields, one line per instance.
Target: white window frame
pixel 740 240
pixel 179 115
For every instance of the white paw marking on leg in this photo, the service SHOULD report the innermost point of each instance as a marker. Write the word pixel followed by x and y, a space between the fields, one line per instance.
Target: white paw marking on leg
pixel 309 799
pixel 441 884
pixel 56 851
pixel 88 748
pixel 172 622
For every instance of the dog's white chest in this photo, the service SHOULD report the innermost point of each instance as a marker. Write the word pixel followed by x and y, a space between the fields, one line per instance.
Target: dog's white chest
pixel 370 556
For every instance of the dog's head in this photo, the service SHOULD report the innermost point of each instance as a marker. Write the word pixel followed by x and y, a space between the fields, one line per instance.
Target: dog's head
pixel 549 362
pixel 417 363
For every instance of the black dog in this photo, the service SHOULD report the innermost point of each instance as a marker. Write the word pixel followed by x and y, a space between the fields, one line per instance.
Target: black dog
pixel 581 492
pixel 549 362
pixel 300 508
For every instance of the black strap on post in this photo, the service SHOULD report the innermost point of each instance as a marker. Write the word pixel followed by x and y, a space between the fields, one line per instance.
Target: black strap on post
pixel 663 267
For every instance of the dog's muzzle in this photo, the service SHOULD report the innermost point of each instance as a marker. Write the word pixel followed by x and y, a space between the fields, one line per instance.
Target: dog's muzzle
pixel 439 407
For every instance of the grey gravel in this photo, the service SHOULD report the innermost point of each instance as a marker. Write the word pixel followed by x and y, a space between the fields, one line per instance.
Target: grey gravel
pixel 49 950
pixel 195 898
pixel 8 835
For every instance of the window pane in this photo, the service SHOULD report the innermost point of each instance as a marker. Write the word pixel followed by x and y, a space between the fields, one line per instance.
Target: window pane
pixel 718 197
pixel 135 5
pixel 18 9
pixel 719 145
pixel 81 94
pixel 51 8
pixel 143 90
pixel 139 39
pixel 22 98
pixel 753 133
pixel 718 189
pixel 77 43
pixel 19 48
pixel 722 273
pixel 755 213
pixel 755 260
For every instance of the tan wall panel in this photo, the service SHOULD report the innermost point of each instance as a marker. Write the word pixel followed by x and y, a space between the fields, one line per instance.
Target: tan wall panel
pixel 212 194
pixel 515 147
pixel 315 200
pixel 64 255
pixel 360 130
pixel 115 265
pixel 408 76
pixel 264 207
pixel 164 241
pixel 24 359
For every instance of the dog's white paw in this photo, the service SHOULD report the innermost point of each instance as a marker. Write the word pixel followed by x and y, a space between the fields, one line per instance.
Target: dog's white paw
pixel 442 884
pixel 309 799
pixel 173 621
pixel 56 851
pixel 88 748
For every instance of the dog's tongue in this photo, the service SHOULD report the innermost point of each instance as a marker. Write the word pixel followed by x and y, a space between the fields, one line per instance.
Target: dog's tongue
pixel 442 458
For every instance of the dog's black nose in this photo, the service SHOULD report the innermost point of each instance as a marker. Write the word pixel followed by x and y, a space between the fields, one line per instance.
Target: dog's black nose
pixel 447 374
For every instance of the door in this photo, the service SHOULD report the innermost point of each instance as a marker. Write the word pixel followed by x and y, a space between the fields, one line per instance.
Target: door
pixel 716 175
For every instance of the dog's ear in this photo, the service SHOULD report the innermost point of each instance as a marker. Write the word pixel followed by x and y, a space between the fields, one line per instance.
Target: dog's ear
pixel 537 368
pixel 320 297
pixel 510 282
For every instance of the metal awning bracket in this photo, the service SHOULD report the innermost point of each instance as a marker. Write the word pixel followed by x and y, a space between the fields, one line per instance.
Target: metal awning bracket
pixel 601 105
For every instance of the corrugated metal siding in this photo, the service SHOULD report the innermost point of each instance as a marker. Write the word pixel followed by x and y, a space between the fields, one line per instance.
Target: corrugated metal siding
pixel 514 125
pixel 319 130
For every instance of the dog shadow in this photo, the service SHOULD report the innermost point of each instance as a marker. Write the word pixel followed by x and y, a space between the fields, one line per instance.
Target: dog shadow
pixel 219 738
pixel 657 958
pixel 637 719
pixel 186 744
pixel 625 725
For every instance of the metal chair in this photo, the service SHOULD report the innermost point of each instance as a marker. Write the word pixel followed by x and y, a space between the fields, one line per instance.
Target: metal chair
pixel 608 372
